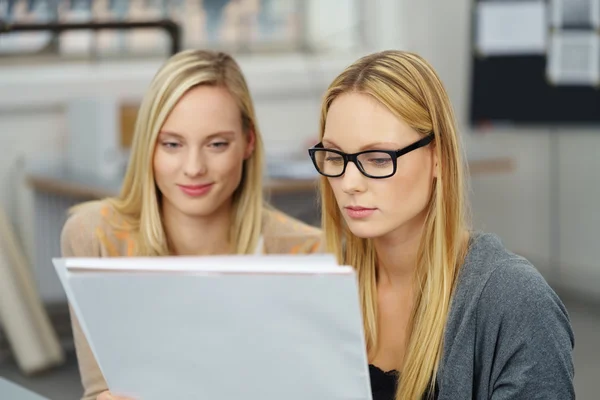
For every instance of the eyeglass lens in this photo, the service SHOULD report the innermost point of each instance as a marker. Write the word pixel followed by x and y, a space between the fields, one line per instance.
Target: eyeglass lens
pixel 376 164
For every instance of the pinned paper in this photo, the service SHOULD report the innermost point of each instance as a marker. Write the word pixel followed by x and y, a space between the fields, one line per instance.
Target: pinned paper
pixel 511 28
pixel 574 58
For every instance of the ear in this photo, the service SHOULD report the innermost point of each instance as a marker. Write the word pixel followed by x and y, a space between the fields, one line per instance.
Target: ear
pixel 250 144
pixel 435 162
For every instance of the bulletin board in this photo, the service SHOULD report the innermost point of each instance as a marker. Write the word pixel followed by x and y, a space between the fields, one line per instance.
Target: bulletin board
pixel 535 62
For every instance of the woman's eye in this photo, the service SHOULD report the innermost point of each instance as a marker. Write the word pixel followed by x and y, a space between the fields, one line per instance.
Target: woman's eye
pixel 335 159
pixel 219 145
pixel 171 145
pixel 380 162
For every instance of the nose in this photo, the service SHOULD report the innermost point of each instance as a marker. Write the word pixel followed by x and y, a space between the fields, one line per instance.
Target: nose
pixel 194 164
pixel 353 181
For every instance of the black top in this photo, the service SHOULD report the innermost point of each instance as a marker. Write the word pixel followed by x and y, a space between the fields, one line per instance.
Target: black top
pixel 384 384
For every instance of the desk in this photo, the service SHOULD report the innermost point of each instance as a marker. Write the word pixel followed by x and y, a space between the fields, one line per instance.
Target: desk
pixel 66 183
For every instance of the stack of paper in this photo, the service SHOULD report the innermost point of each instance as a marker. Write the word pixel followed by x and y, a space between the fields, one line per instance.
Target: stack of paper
pixel 226 327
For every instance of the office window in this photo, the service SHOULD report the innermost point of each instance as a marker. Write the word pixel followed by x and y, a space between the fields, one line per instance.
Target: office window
pixel 259 26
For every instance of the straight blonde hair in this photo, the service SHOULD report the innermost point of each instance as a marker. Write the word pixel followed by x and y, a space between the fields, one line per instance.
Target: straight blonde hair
pixel 139 199
pixel 408 86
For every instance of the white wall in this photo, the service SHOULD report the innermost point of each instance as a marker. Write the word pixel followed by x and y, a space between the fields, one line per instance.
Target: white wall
pixel 520 207
pixel 26 136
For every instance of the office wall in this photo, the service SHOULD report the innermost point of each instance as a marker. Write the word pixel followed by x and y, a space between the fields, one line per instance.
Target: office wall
pixel 555 188
pixel 33 135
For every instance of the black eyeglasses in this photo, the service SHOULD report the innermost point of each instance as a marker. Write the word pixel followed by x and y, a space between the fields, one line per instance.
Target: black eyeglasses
pixel 376 164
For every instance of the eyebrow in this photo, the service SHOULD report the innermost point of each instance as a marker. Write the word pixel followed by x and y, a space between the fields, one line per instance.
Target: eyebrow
pixel 370 146
pixel 209 137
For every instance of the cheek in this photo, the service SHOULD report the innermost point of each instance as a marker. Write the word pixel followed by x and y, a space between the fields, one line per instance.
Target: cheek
pixel 409 189
pixel 164 164
pixel 158 165
pixel 336 187
pixel 228 165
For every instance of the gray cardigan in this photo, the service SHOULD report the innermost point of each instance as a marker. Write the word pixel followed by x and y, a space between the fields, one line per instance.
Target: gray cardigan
pixel 508 335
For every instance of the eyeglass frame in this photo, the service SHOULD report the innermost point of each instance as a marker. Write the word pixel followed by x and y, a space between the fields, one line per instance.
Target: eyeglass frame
pixel 353 157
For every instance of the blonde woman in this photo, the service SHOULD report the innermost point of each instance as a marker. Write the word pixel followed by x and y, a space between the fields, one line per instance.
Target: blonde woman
pixel 448 312
pixel 193 185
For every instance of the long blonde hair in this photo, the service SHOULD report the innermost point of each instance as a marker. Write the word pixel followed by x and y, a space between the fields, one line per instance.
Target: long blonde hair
pixel 139 200
pixel 409 87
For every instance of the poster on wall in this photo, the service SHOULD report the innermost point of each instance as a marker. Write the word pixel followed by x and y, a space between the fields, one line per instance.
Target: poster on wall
pixel 511 28
pixel 574 58
pixel 574 50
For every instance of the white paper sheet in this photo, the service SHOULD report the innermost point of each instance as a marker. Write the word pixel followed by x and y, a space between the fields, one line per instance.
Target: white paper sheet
pixel 574 58
pixel 251 327
pixel 511 28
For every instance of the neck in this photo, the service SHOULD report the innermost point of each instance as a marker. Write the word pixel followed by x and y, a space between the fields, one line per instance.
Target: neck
pixel 196 236
pixel 397 256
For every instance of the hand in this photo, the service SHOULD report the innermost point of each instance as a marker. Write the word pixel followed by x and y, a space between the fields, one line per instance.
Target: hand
pixel 107 396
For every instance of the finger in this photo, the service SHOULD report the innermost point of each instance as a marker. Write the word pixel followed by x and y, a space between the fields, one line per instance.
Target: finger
pixel 109 396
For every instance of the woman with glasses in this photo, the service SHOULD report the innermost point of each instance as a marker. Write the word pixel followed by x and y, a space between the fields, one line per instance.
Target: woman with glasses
pixel 448 312
pixel 193 185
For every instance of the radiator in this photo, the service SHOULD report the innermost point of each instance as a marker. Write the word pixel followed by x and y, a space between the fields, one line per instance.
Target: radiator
pixel 50 214
pixel 49 217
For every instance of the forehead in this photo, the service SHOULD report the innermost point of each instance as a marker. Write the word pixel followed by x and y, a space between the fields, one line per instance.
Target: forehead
pixel 356 120
pixel 204 109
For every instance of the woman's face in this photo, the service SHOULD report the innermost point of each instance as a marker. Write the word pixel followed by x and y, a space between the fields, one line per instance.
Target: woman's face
pixel 200 152
pixel 378 208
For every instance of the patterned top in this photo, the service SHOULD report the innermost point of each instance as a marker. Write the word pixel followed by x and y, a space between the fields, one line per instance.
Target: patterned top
pixel 97 230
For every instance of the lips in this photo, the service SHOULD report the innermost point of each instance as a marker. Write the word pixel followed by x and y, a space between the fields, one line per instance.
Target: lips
pixel 196 190
pixel 358 212
pixel 358 208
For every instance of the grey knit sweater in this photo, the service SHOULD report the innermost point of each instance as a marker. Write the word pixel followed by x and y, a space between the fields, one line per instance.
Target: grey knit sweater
pixel 508 335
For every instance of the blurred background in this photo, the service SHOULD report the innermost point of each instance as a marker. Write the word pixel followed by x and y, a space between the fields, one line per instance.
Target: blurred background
pixel 524 78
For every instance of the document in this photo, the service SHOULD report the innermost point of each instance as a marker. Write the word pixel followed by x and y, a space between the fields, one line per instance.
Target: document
pixel 574 58
pixel 251 327
pixel 511 28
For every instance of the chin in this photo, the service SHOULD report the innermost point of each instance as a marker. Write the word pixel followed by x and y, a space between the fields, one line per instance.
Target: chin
pixel 197 213
pixel 198 210
pixel 365 230
pixel 195 208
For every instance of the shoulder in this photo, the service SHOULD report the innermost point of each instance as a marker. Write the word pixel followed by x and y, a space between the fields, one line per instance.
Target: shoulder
pixel 284 234
pixel 523 336
pixel 516 292
pixel 490 267
pixel 503 273
pixel 88 227
pixel 508 290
